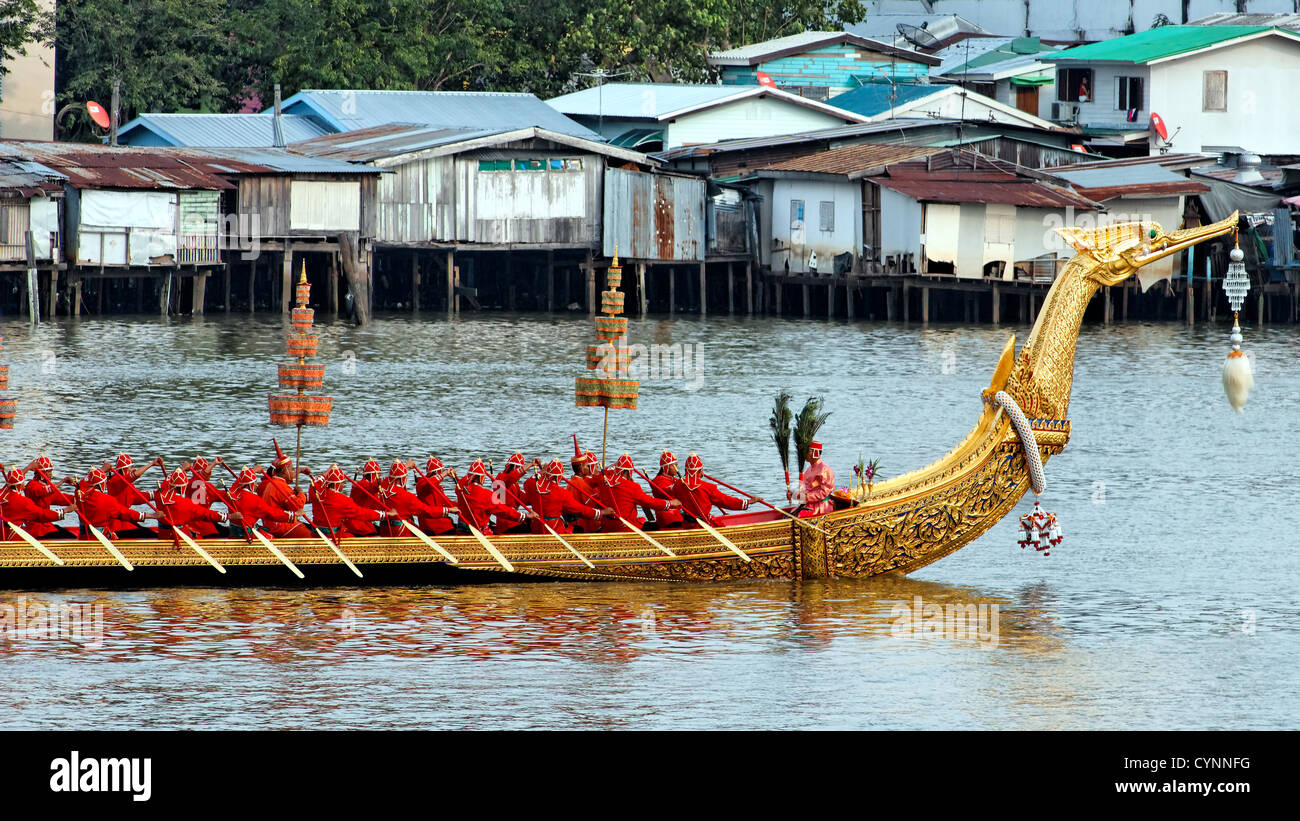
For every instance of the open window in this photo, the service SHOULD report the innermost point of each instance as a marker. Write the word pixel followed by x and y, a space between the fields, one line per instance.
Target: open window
pixel 1074 85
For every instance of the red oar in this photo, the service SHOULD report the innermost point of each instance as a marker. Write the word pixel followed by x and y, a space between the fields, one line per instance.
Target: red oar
pixel 784 513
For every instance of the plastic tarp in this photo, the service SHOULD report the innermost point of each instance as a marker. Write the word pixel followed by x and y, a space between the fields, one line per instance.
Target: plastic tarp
pixel 114 223
pixel 44 222
pixel 1225 197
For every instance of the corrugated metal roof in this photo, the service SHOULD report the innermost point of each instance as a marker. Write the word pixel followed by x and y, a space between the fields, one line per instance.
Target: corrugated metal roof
pixel 350 110
pixel 1158 43
pixel 828 134
pixel 643 100
pixel 369 144
pixel 29 179
pixel 101 166
pixel 1227 18
pixel 1173 161
pixel 206 130
pixel 874 98
pixel 756 53
pixel 962 176
pixel 273 160
pixel 854 160
pixel 1102 184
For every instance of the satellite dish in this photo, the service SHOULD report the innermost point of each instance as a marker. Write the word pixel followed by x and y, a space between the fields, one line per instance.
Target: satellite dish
pixel 97 113
pixel 917 36
pixel 765 79
pixel 1158 125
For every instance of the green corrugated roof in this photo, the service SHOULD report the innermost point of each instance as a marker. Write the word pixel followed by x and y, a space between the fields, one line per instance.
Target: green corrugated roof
pixel 1157 43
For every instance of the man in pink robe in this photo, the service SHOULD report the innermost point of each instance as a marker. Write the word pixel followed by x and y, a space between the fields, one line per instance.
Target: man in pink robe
pixel 816 484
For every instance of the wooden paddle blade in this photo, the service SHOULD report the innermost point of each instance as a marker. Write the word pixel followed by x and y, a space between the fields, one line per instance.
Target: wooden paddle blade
pixel 424 537
pixel 496 554
pixel 113 551
pixel 36 543
pixel 723 539
pixel 335 548
pixel 275 551
pixel 572 549
pixel 646 536
pixel 207 557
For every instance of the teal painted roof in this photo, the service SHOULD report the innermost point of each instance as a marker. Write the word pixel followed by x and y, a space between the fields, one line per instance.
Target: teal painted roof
pixel 1159 43
pixel 873 98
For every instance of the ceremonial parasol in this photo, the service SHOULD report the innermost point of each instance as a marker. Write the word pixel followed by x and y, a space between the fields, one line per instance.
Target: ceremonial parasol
pixel 611 386
pixel 299 409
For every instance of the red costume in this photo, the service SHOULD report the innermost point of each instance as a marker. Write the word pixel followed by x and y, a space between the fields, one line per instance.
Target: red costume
pixel 663 486
pixel 405 504
pixel 277 493
pixel 478 504
pixel 22 511
pixel 428 489
pixel 244 500
pixel 622 493
pixel 106 513
pixel 331 510
pixel 551 501
pixel 698 496
pixel 586 489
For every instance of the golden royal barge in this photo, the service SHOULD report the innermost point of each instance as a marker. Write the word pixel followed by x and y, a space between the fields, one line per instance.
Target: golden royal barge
pixel 902 524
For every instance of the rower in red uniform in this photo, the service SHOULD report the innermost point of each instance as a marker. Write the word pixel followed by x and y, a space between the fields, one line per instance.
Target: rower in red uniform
pixel 586 484
pixel 551 500
pixel 42 490
pixel 179 511
pixel 698 496
pixel 478 504
pixel 15 507
pixel 332 511
pixel 429 490
pixel 408 506
pixel 243 499
pixel 662 487
pixel 622 493
pixel 512 475
pixel 97 507
pixel 276 490
pixel 121 485
pixel 365 492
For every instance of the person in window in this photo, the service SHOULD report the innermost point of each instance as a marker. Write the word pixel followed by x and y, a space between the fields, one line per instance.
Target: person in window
pixel 1084 96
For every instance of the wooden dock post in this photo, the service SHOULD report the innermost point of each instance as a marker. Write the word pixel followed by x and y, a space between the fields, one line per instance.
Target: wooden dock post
pixel 731 289
pixel 925 304
pixel 997 305
pixel 550 280
pixel 1189 296
pixel 76 297
pixel 640 289
pixel 807 301
pixel 1123 300
pixel 591 286
pixel 704 291
pixel 672 291
pixel 225 285
pixel 286 279
pixel 830 299
pixel 252 284
pixel 778 288
pixel 453 306
pixel 415 282
pixel 198 293
pixel 52 306
pixel 1105 305
pixel 749 286
pixel 848 298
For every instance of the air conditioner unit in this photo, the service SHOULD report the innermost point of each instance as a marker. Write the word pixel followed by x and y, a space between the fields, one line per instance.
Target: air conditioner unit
pixel 1065 112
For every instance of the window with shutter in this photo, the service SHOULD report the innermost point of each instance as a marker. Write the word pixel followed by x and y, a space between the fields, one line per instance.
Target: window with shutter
pixel 827 216
pixel 1216 91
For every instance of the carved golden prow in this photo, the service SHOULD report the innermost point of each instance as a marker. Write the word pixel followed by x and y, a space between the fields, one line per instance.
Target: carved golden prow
pixel 1043 374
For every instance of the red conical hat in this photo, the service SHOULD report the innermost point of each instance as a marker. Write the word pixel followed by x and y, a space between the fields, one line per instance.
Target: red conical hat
pixel 371 466
pixel 178 479
pixel 665 459
pixel 433 466
pixel 43 464
pixel 398 470
pixel 245 477
pixel 201 465
pixel 280 459
pixel 96 477
pixel 814 445
pixel 577 453
pixel 516 461
pixel 590 458
pixel 123 461
pixel 555 468
pixel 15 477
pixel 624 463
pixel 335 475
pixel 478 469
pixel 694 464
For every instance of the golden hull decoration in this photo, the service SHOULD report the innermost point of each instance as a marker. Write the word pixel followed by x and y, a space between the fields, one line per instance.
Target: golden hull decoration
pixel 903 524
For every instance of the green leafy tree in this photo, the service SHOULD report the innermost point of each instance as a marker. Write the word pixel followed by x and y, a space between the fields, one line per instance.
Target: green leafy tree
pixel 168 54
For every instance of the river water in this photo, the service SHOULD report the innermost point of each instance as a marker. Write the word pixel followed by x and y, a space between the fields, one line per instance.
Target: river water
pixel 1171 604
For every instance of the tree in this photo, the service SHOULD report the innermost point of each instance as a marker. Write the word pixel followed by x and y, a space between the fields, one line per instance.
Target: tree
pixel 168 55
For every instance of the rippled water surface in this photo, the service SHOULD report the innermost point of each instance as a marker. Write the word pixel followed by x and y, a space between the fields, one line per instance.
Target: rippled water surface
pixel 1172 603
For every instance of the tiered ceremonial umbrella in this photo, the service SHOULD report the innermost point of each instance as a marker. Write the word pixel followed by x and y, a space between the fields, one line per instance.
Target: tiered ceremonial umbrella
pixel 610 387
pixel 8 404
pixel 299 409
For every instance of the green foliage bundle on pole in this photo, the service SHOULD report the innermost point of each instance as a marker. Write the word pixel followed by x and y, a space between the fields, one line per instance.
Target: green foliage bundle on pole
pixel 806 425
pixel 780 423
